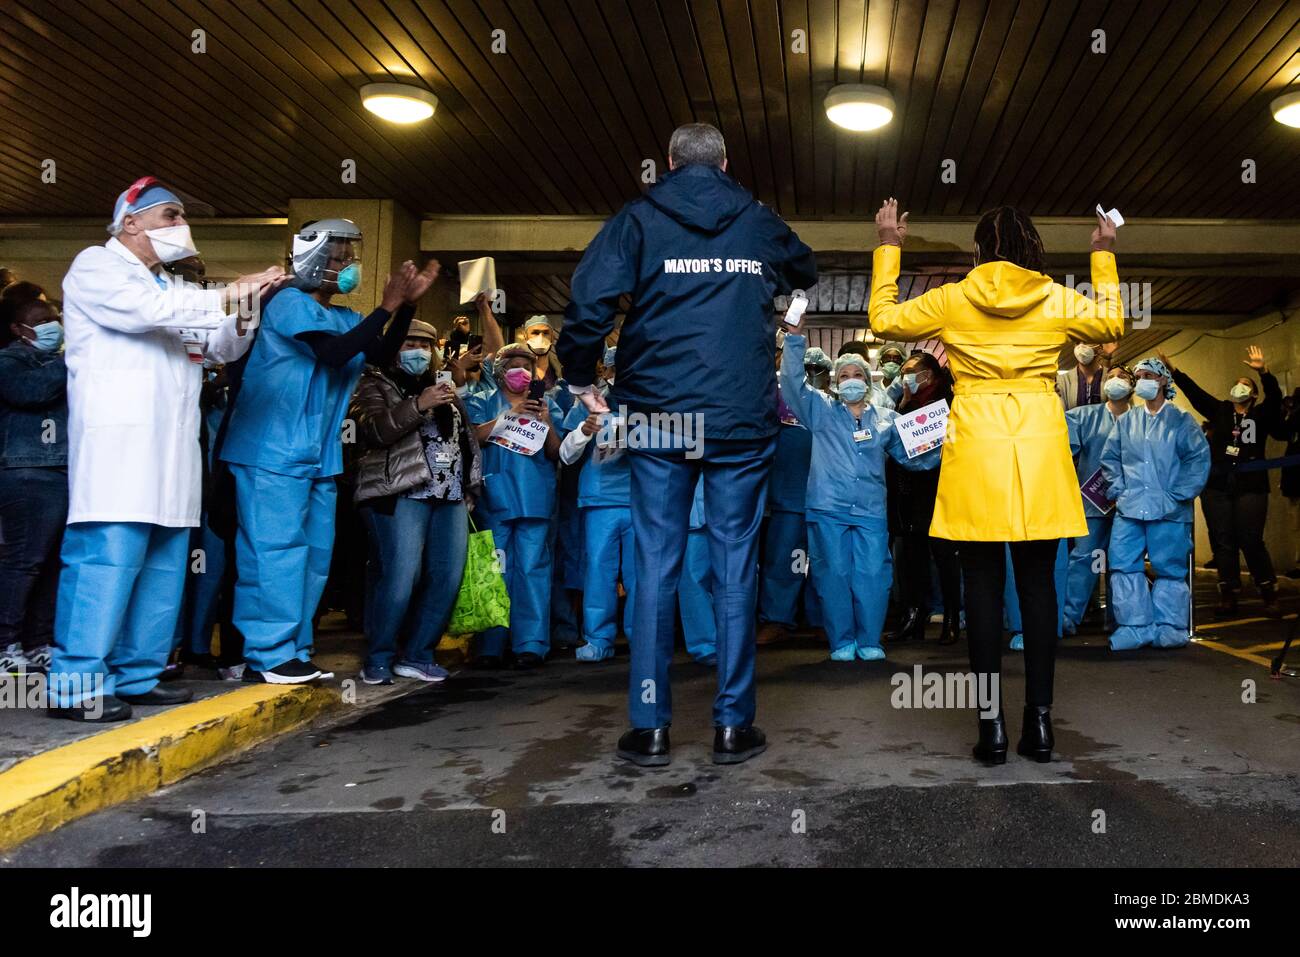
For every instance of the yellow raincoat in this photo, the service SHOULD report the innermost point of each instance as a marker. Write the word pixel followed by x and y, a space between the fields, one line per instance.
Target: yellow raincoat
pixel 1007 475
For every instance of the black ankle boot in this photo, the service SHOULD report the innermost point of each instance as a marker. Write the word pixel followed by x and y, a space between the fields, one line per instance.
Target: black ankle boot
pixel 992 746
pixel 1036 739
pixel 912 626
pixel 951 633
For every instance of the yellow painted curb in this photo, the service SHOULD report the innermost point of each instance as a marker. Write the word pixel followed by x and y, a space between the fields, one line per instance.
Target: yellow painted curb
pixel 127 762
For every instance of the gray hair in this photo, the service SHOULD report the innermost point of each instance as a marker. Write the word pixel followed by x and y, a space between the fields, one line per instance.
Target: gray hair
pixel 697 143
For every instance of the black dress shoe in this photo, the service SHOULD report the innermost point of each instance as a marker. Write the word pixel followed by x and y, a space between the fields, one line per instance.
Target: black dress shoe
pixel 733 745
pixel 527 661
pixel 913 626
pixel 951 633
pixel 106 708
pixel 647 747
pixel 158 695
pixel 992 746
pixel 1036 736
pixel 486 663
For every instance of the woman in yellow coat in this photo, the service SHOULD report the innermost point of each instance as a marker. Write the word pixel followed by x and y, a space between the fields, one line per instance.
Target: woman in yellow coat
pixel 1007 475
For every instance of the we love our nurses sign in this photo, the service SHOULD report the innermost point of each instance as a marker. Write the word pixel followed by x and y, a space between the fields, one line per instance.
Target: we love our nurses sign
pixel 519 433
pixel 922 429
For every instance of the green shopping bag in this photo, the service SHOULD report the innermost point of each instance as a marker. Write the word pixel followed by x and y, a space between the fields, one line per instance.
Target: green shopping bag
pixel 482 602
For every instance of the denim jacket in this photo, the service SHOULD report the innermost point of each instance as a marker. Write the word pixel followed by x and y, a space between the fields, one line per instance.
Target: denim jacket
pixel 33 408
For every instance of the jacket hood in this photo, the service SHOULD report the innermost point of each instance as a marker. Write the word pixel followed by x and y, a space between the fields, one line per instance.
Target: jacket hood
pixel 700 197
pixel 1005 289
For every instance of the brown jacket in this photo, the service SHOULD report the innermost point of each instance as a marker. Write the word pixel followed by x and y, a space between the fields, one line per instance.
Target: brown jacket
pixel 388 432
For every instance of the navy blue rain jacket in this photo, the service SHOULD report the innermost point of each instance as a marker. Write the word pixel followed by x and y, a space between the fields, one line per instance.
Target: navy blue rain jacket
pixel 702 261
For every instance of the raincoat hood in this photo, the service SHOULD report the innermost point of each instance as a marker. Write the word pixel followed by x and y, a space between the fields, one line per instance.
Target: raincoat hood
pixel 700 197
pixel 1004 289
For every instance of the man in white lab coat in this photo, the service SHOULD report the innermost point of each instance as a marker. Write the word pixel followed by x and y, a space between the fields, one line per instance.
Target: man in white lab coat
pixel 136 340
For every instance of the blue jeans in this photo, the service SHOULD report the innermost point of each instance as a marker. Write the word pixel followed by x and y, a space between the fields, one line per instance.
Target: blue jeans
pixel 417 559
pixel 735 489
pixel 33 511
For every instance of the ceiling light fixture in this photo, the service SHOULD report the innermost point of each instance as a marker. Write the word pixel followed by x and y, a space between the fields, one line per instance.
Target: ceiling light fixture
pixel 398 103
pixel 858 107
pixel 1286 108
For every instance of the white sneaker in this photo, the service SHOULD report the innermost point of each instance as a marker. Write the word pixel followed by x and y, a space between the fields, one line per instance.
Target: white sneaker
pixel 232 673
pixel 39 658
pixel 13 661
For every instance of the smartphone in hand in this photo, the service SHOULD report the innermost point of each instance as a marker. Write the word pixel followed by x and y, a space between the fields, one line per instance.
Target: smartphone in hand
pixel 537 390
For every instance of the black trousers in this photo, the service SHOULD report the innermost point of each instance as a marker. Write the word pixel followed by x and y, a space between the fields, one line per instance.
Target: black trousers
pixel 1236 524
pixel 914 552
pixel 984 571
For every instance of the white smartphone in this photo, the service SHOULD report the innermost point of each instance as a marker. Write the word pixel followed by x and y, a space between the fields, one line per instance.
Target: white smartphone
pixel 444 378
pixel 793 314
pixel 1113 216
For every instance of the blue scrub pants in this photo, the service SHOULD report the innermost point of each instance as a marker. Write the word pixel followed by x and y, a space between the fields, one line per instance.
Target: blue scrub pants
pixel 417 559
pixel 1155 615
pixel 526 545
pixel 282 554
pixel 854 571
pixel 663 487
pixel 695 597
pixel 781 581
pixel 202 591
pixel 1080 579
pixel 610 547
pixel 119 595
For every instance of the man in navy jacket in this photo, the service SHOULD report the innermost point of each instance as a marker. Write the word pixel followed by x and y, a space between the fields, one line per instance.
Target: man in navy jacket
pixel 701 260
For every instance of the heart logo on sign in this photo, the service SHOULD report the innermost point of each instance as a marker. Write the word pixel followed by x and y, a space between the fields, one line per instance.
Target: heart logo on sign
pixel 523 421
pixel 920 418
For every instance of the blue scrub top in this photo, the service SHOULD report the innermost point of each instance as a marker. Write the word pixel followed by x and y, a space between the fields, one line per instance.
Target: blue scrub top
pixel 1089 427
pixel 514 485
pixel 846 477
pixel 605 479
pixel 290 409
pixel 1156 465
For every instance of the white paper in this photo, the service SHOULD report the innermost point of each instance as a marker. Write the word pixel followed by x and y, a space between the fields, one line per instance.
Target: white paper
pixel 519 433
pixel 922 429
pixel 476 276
pixel 1113 216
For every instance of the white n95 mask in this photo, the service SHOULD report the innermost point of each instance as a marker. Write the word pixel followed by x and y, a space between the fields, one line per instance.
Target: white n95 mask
pixel 171 243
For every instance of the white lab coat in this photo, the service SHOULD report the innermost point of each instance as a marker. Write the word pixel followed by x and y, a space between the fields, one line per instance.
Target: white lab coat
pixel 133 390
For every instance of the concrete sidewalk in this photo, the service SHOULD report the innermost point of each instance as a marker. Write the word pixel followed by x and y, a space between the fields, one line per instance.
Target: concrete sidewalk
pixel 53 772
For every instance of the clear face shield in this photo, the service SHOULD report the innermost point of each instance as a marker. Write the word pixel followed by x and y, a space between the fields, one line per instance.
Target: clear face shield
pixel 342 269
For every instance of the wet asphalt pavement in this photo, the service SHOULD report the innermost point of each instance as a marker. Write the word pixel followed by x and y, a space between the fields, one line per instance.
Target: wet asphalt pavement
pixel 1159 763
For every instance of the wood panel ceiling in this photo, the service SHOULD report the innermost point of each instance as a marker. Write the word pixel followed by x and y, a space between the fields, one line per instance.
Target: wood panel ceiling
pixel 588 89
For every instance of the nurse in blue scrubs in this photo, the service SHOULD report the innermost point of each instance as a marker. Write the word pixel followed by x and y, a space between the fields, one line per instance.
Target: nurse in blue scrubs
pixel 1155 464
pixel 784 579
pixel 518 505
pixel 847 526
pixel 1090 426
pixel 283 440
pixel 591 445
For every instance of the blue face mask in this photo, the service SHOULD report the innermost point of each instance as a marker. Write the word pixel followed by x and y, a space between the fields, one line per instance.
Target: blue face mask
pixel 349 278
pixel 890 369
pixel 414 361
pixel 852 390
pixel 1147 388
pixel 49 336
pixel 909 380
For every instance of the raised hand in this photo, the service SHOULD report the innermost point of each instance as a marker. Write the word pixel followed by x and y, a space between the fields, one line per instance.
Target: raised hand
pixel 890 227
pixel 1103 237
pixel 422 280
pixel 1255 359
pixel 395 286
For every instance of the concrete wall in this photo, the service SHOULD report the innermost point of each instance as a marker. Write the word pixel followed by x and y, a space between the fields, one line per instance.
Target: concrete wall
pixel 1215 363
